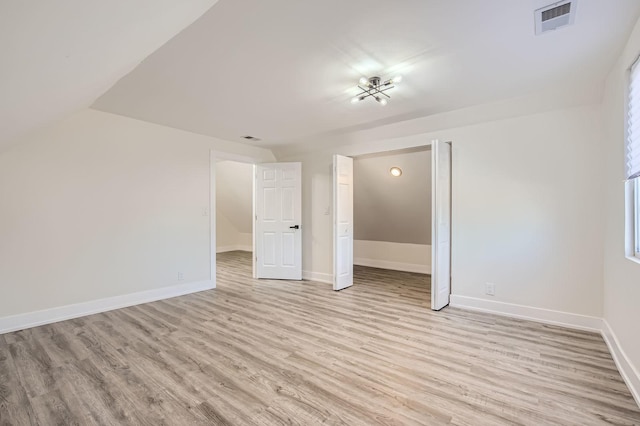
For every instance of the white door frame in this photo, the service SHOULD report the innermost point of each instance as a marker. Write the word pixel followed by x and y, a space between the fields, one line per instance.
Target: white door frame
pixel 414 141
pixel 215 156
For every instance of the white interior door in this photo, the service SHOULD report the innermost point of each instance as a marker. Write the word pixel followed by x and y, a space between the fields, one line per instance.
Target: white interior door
pixel 342 222
pixel 278 207
pixel 441 225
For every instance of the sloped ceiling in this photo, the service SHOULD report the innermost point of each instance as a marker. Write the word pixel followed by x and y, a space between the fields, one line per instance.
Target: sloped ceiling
pixel 393 209
pixel 234 193
pixel 60 56
pixel 284 71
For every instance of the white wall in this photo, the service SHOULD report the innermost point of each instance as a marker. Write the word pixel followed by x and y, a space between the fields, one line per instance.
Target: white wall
pixel 621 275
pixel 245 241
pixel 527 213
pixel 396 256
pixel 101 205
pixel 392 215
pixel 234 206
pixel 234 193
pixel 388 208
pixel 227 235
pixel 317 219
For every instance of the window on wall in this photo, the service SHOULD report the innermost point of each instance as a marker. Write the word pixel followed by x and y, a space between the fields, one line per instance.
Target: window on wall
pixel 632 163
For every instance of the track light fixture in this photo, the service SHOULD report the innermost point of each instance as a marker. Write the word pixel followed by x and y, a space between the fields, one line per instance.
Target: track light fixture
pixel 375 87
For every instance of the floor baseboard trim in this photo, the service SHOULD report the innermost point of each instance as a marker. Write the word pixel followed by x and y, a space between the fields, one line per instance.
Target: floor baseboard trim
pixel 317 276
pixel 237 247
pixel 395 266
pixel 627 370
pixel 48 316
pixel 547 316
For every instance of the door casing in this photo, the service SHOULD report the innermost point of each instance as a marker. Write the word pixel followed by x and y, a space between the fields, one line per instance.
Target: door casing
pixel 412 142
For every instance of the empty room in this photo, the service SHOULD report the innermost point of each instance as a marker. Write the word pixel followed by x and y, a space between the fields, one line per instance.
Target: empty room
pixel 221 212
pixel 392 219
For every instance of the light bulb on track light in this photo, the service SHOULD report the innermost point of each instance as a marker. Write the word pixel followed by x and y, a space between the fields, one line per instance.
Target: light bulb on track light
pixel 375 88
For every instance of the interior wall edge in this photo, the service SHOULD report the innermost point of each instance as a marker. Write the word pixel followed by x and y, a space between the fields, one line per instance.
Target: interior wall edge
pixel 237 247
pixel 320 277
pixel 531 313
pixel 394 266
pixel 627 370
pixel 405 257
pixel 62 313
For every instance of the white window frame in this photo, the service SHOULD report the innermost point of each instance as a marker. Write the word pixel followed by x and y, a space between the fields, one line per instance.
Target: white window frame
pixel 632 223
pixel 632 186
pixel 635 205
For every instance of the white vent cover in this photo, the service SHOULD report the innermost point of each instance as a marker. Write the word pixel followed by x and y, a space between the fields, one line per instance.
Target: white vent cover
pixel 554 16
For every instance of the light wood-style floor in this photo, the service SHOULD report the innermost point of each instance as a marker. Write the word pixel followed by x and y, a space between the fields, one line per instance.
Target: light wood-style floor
pixel 277 352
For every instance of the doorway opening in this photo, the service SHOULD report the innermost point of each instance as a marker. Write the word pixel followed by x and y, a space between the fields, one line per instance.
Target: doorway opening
pixel 392 210
pixel 255 211
pixel 233 213
pixel 384 221
pixel 392 221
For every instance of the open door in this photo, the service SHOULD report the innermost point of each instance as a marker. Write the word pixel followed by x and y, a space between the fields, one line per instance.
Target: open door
pixel 278 207
pixel 441 224
pixel 342 222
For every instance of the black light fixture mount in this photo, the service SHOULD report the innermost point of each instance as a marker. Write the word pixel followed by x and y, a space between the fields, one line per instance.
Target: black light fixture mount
pixel 374 87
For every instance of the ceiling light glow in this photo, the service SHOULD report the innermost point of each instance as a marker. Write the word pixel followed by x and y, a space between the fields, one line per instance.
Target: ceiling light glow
pixel 395 171
pixel 376 88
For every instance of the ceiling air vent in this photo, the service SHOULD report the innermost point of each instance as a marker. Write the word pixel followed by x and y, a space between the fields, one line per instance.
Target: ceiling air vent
pixel 554 16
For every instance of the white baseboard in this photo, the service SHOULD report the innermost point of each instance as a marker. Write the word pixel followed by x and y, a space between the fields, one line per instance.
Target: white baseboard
pixel 581 322
pixel 625 367
pixel 317 276
pixel 395 266
pixel 548 316
pixel 237 247
pixel 48 316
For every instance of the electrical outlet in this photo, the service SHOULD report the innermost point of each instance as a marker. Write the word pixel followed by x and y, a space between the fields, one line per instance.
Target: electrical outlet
pixel 180 276
pixel 490 289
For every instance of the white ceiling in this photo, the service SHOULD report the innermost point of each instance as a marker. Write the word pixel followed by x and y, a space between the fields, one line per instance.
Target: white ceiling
pixel 284 71
pixel 60 56
pixel 393 209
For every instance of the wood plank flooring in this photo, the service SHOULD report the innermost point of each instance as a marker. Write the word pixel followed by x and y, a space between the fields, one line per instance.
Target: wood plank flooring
pixel 277 352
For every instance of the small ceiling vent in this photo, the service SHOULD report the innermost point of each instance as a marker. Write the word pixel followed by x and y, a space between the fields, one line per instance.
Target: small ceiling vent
pixel 554 16
pixel 251 138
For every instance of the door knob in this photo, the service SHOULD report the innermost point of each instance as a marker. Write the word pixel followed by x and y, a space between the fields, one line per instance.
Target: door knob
pixel 294 227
